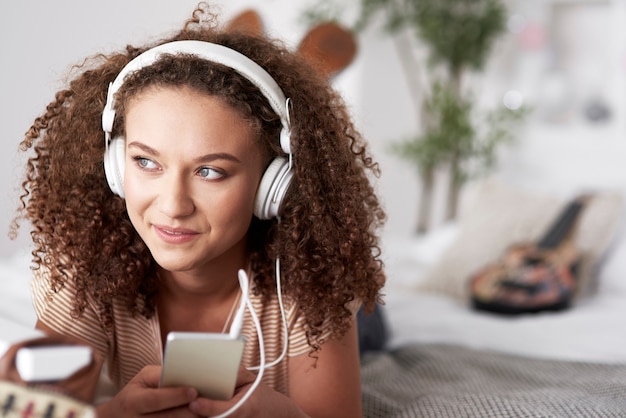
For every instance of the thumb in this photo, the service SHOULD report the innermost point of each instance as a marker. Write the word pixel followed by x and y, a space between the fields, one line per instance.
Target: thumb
pixel 149 376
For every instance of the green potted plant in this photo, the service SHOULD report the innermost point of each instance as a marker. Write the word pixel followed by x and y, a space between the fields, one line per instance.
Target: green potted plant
pixel 453 133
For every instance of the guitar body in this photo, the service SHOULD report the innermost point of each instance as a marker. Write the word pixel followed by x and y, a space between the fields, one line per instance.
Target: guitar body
pixel 527 280
pixel 532 277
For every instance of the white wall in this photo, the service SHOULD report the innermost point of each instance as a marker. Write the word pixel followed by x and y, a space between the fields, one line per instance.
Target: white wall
pixel 582 58
pixel 41 39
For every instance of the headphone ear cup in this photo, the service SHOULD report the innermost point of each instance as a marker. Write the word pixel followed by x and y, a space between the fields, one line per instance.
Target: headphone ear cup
pixel 114 165
pixel 272 189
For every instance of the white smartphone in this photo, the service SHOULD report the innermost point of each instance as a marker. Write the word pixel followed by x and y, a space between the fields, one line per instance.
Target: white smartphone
pixel 208 362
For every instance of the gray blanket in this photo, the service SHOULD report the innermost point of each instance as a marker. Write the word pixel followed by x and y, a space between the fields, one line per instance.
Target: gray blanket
pixel 456 382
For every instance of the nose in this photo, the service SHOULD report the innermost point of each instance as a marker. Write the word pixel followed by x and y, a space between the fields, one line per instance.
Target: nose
pixel 175 199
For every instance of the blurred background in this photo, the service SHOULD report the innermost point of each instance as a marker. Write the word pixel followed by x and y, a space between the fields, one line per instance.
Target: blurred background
pixel 541 104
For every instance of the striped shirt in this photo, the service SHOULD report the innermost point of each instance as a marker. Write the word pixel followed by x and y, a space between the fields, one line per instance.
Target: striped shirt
pixel 135 341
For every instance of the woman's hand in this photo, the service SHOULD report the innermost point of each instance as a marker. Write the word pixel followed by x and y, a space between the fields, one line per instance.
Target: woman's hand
pixel 264 401
pixel 143 397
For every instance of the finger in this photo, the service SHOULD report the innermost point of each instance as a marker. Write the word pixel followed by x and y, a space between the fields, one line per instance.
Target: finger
pixel 209 407
pixel 180 412
pixel 166 398
pixel 148 377
pixel 244 377
pixel 156 399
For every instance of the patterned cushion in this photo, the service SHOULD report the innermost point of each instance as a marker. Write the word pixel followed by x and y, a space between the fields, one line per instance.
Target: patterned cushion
pixel 498 216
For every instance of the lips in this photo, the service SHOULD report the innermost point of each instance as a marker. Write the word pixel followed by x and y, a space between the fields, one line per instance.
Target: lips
pixel 174 235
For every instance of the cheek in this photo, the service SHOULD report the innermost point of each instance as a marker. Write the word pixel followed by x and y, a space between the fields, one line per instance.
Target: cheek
pixel 232 208
pixel 136 198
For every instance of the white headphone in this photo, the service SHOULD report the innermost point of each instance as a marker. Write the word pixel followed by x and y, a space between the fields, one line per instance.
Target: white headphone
pixel 277 176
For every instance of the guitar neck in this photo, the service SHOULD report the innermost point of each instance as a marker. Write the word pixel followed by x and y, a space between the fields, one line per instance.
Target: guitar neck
pixel 561 228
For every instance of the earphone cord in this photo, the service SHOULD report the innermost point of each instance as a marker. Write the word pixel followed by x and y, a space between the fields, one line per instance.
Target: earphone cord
pixel 257 381
pixel 284 319
pixel 257 324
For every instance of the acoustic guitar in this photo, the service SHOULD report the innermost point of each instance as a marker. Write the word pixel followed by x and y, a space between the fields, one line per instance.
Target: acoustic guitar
pixel 533 277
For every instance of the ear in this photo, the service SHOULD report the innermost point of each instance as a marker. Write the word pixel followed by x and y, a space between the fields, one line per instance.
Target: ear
pixel 328 47
pixel 248 22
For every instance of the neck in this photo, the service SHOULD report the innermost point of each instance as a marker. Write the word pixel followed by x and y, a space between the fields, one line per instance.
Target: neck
pixel 214 281
pixel 190 302
pixel 201 298
pixel 215 285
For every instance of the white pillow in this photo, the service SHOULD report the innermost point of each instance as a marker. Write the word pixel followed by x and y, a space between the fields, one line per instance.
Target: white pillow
pixel 499 216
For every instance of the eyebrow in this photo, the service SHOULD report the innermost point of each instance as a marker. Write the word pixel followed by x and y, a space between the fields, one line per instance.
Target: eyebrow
pixel 201 159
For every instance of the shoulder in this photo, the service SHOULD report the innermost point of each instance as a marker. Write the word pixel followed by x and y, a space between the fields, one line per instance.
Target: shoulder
pixel 48 295
pixel 278 326
pixel 290 319
pixel 54 306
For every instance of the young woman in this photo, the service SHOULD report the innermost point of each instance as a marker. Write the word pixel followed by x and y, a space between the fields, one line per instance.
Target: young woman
pixel 209 165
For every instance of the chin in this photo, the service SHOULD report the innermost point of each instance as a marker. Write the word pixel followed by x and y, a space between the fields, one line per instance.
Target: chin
pixel 174 262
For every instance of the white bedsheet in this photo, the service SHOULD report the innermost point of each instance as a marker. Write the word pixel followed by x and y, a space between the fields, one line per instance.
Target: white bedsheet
pixel 594 329
pixel 15 300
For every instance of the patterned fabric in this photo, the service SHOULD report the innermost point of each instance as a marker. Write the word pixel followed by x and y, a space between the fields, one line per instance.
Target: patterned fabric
pixel 439 381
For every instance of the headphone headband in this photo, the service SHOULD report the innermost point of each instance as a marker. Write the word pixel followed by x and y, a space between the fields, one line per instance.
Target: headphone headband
pixel 214 53
pixel 278 174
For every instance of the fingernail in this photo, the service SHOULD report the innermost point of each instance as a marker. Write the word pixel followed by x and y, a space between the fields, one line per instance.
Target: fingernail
pixel 194 406
pixel 192 393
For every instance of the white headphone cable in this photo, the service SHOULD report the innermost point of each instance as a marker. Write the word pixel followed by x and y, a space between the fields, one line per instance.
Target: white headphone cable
pixel 243 278
pixel 237 324
pixel 284 318
pixel 235 332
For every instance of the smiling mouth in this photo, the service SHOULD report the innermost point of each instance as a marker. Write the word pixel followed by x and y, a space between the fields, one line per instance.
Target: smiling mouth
pixel 173 232
pixel 174 235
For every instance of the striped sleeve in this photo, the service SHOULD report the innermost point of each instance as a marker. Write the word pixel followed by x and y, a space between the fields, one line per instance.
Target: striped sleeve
pixel 54 310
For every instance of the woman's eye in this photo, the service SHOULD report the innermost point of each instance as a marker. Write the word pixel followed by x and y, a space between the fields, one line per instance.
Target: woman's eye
pixel 145 163
pixel 209 173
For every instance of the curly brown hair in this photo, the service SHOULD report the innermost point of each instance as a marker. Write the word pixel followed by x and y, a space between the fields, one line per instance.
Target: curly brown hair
pixel 325 238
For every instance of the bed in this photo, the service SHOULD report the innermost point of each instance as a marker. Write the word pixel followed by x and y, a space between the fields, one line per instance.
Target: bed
pixel 444 359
